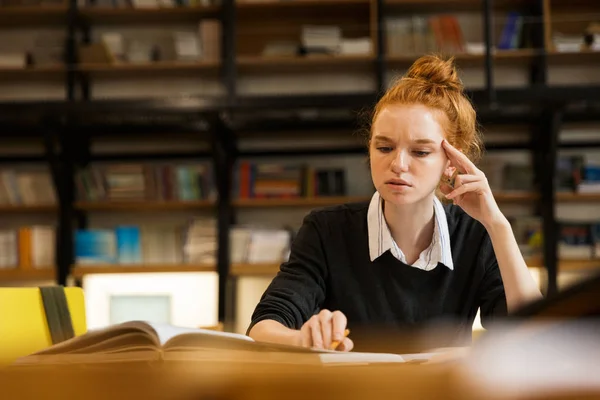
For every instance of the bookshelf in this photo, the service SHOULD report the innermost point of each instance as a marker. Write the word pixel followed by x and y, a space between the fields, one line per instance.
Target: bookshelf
pixel 247 28
pixel 79 271
pixel 27 275
pixel 31 16
pixel 119 16
pixel 149 69
pixel 141 206
pixel 28 209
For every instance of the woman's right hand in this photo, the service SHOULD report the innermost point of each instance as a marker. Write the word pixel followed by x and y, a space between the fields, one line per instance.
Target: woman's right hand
pixel 323 329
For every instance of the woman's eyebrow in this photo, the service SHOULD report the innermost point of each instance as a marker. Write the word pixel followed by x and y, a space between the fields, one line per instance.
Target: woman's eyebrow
pixel 424 141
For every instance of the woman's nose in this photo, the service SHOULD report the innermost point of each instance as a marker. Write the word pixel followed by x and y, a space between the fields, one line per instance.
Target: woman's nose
pixel 400 162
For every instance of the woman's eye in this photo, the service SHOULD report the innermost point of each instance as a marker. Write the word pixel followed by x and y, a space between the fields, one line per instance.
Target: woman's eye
pixel 384 149
pixel 421 153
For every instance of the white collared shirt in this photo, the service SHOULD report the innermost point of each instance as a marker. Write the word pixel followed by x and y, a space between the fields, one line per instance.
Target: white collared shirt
pixel 380 237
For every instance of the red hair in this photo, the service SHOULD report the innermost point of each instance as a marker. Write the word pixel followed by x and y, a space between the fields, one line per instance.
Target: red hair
pixel 433 82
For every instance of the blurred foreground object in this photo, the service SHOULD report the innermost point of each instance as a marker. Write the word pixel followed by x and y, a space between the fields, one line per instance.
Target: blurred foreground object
pixel 24 326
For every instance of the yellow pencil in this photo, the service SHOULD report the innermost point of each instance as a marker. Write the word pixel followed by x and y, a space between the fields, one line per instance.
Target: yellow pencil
pixel 336 343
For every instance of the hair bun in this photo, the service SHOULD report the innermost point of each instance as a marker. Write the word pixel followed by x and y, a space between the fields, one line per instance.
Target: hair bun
pixel 435 70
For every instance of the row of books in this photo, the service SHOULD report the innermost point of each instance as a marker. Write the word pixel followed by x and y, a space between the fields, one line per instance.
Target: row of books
pixel 420 34
pixel 276 180
pixel 577 174
pixel 587 39
pixel 195 244
pixel 576 240
pixel 579 240
pixel 26 187
pixel 116 47
pixel 573 174
pixel 138 182
pixel 28 247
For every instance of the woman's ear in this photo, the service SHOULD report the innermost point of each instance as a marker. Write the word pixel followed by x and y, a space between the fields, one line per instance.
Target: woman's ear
pixel 449 170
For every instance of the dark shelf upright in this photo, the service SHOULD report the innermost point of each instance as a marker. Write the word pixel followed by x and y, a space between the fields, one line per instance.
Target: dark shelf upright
pixel 488 27
pixel 381 47
pixel 539 69
pixel 59 156
pixel 223 158
pixel 229 48
pixel 551 119
pixel 70 50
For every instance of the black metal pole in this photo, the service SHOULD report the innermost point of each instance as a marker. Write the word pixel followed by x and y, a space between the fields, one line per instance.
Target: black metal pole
pixel 488 26
pixel 551 124
pixel 222 159
pixel 228 53
pixel 539 67
pixel 381 46
pixel 86 91
pixel 62 175
pixel 70 49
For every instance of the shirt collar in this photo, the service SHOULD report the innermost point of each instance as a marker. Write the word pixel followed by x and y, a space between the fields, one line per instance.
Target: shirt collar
pixel 380 238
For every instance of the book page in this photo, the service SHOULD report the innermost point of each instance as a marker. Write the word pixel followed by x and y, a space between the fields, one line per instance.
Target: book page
pixel 359 358
pixel 167 332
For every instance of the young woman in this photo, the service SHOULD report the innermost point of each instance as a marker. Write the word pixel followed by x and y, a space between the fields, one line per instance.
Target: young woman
pixel 406 257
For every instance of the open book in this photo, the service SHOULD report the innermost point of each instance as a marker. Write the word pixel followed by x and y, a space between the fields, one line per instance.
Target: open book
pixel 139 341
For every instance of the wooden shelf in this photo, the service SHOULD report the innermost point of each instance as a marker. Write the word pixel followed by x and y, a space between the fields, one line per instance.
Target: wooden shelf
pixel 452 5
pixel 300 4
pixel 43 208
pixel 79 271
pixel 517 197
pixel 152 68
pixel 306 64
pixel 19 16
pixel 143 205
pixel 567 265
pixel 294 10
pixel 297 202
pixel 253 269
pixel 579 265
pixel 21 275
pixel 573 58
pixel 157 15
pixel 45 72
pixel 500 56
pixel 577 197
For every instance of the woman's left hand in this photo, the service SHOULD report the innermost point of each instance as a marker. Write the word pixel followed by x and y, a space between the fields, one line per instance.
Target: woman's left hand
pixel 471 190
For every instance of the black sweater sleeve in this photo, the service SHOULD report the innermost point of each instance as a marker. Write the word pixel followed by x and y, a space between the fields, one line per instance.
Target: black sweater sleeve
pixel 298 290
pixel 492 297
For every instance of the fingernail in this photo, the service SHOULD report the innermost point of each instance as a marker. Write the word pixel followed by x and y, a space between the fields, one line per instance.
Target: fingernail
pixel 337 337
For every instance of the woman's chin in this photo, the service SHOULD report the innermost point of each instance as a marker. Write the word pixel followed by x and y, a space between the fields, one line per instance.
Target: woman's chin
pixel 398 197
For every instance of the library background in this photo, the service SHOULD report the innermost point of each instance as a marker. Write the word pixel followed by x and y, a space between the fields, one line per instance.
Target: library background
pixel 162 153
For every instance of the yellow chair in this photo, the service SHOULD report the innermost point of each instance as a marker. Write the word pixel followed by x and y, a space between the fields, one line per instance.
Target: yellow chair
pixel 23 326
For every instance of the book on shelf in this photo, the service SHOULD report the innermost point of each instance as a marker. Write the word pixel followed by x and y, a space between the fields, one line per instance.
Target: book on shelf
pixel 26 187
pixel 422 34
pixel 579 240
pixel 145 182
pixel 278 180
pixel 28 247
pixel 577 174
pixel 147 244
pixel 256 245
pixel 143 342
